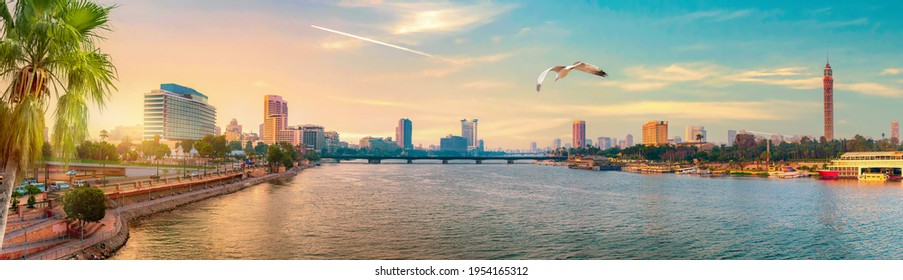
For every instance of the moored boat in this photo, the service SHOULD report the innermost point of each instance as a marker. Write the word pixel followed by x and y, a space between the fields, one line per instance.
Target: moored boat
pixel 873 177
pixel 829 174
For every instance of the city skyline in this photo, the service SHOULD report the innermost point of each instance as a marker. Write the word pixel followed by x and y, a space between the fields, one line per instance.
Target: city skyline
pixel 704 75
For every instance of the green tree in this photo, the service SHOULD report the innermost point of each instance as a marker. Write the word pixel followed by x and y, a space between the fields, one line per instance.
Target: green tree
pixel 261 148
pixel 47 150
pixel 48 49
pixel 85 204
pixel 32 190
pixel 187 145
pixel 275 156
pixel 104 135
pixel 16 195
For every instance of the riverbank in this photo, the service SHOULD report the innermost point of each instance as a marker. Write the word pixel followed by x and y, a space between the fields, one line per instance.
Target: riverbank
pixel 107 247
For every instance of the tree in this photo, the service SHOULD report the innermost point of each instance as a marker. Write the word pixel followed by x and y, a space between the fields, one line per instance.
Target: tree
pixel 32 190
pixel 187 145
pixel 104 135
pixel 16 195
pixel 125 146
pixel 48 49
pixel 274 157
pixel 85 204
pixel 47 150
pixel 261 148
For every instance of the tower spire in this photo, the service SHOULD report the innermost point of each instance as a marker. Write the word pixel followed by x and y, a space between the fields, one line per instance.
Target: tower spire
pixel 827 57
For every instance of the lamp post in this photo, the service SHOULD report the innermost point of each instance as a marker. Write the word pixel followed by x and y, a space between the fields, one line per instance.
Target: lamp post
pixel 25 251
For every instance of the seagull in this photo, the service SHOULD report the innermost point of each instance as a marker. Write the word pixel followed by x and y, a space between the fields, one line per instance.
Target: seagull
pixel 562 71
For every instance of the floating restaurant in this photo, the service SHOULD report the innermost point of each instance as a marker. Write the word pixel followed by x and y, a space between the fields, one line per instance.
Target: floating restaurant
pixel 861 165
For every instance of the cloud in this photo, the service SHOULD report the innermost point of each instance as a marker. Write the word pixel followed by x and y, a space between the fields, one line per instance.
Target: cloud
pixel 261 84
pixel 892 71
pixel 785 71
pixel 855 22
pixel 694 47
pixel 359 3
pixel 872 89
pixel 825 11
pixel 783 76
pixel 716 110
pixel 675 72
pixel 438 17
pixel 713 15
pixel 806 83
pixel 487 85
pixel 342 44
pixel 634 86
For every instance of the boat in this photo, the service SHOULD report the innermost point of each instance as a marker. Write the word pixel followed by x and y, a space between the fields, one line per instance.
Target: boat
pixel 873 177
pixel 704 173
pixel 829 174
pixel 686 171
pixel 789 173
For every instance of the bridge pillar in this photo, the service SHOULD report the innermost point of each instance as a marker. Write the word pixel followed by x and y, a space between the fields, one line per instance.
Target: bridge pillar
pixel 410 161
pixel 510 161
pixel 444 161
pixel 479 161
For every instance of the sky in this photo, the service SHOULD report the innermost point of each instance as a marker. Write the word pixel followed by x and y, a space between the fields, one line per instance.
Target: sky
pixel 754 65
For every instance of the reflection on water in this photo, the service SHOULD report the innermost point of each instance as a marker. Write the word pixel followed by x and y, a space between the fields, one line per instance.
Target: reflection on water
pixel 497 211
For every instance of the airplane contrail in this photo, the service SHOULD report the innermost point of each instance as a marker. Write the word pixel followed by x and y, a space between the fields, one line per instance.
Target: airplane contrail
pixel 372 41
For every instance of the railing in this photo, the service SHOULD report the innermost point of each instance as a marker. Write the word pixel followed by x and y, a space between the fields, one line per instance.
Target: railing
pixel 98 237
pixel 75 246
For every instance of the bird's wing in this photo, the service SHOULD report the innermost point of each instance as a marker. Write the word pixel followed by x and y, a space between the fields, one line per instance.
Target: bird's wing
pixel 589 68
pixel 542 76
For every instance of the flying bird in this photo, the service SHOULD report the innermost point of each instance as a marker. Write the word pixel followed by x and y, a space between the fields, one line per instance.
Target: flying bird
pixel 562 71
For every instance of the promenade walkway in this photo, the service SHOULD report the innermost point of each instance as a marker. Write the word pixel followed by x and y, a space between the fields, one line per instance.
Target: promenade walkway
pixel 114 220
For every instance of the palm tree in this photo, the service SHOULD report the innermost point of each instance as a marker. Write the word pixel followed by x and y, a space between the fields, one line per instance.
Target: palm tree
pixel 104 135
pixel 47 51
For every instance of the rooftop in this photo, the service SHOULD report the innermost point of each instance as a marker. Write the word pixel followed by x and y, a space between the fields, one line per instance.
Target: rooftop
pixel 180 89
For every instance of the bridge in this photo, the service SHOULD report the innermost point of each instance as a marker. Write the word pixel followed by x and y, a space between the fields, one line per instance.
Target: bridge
pixel 444 159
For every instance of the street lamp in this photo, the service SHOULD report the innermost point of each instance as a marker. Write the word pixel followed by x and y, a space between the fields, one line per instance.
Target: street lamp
pixel 25 251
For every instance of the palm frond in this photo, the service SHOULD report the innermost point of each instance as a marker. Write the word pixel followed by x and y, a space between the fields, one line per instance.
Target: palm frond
pixel 70 124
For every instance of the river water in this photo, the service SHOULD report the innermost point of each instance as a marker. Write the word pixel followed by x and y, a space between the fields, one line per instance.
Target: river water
pixel 524 211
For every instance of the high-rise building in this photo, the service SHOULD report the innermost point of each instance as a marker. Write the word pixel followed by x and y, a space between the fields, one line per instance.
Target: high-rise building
pixel 313 137
pixel 894 130
pixel 469 132
pixel 453 143
pixel 533 147
pixel 655 133
pixel 332 141
pixel 628 140
pixel 273 107
pixel 731 137
pixel 695 134
pixel 829 101
pixel 556 143
pixel 175 112
pixel 578 135
pixel 403 134
pixel 217 131
pixel 604 143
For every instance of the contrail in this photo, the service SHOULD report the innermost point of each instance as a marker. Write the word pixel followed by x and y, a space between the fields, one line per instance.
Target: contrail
pixel 372 41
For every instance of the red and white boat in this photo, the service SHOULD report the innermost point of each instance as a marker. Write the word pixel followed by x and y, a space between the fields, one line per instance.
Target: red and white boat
pixel 829 174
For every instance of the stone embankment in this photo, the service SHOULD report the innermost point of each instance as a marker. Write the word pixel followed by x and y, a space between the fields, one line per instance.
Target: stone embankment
pixel 107 247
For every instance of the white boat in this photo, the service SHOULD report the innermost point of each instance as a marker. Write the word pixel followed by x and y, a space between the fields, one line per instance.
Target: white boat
pixel 789 173
pixel 686 171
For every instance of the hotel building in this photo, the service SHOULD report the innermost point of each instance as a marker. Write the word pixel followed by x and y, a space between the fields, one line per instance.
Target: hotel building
pixel 176 112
